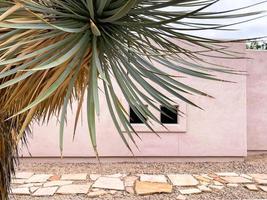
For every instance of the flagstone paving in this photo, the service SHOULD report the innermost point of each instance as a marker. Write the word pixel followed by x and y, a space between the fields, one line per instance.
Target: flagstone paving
pixel 74 189
pixel 45 191
pixel 98 185
pixel 146 188
pixel 183 180
pixel 38 178
pixel 109 183
pixel 74 177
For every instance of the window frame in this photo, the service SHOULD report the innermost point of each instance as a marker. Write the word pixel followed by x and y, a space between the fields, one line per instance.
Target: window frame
pixel 180 127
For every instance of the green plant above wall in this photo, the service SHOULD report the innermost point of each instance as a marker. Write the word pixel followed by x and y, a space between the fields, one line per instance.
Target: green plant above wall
pixel 55 52
pixel 257 45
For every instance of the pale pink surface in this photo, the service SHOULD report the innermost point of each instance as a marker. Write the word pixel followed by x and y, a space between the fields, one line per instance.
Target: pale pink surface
pixel 256 100
pixel 219 130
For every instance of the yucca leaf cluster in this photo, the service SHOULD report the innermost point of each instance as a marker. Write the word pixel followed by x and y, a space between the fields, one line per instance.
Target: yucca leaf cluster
pixel 56 52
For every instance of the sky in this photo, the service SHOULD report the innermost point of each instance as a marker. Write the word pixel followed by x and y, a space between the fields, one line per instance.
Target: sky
pixel 256 28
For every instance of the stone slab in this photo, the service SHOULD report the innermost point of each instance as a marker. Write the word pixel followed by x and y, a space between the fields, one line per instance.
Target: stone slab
pixel 31 185
pixel 38 178
pixel 109 183
pixel 202 178
pixel 226 174
pixel 33 189
pixel 206 176
pixel 238 179
pixel 20 191
pixel 217 183
pixel 57 183
pixel 190 191
pixel 251 187
pixel 74 189
pixel 118 175
pixel 216 187
pixel 182 180
pixel 130 180
pixel 74 177
pixel 258 176
pixel 98 193
pixel 94 177
pixel 23 175
pixel 181 197
pixel 25 185
pixel 147 188
pixel 153 178
pixel 246 176
pixel 204 188
pixel 263 188
pixel 48 191
pixel 261 181
pixel 18 181
pixel 129 190
pixel 232 185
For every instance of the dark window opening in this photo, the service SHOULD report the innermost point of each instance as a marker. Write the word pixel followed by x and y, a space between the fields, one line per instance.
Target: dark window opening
pixel 136 118
pixel 168 116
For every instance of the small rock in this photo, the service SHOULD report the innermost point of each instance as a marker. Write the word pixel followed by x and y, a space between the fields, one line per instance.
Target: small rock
pixel 97 193
pixel 57 183
pixel 109 183
pixel 20 191
pixel 23 175
pixel 39 178
pixel 153 178
pixel 93 177
pixel 204 188
pixel 190 191
pixel 234 179
pixel 130 180
pixel 54 178
pixel 130 190
pixel 49 191
pixel 146 188
pixel 74 189
pixel 251 187
pixel 74 177
pixel 181 197
pixel 183 180
pixel 263 188
pixel 227 174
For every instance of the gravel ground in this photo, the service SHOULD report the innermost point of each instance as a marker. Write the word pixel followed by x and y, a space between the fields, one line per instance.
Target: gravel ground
pixel 253 164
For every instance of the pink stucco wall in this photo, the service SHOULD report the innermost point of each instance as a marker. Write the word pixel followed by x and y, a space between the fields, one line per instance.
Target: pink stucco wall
pixel 256 100
pixel 219 130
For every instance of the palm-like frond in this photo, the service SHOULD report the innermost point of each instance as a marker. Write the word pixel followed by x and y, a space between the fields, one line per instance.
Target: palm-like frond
pixel 53 52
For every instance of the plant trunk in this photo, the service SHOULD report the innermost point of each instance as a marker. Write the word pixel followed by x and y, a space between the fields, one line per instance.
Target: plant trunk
pixel 8 157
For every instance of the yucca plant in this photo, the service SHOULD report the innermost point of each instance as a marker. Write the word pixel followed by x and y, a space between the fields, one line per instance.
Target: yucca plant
pixel 55 52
